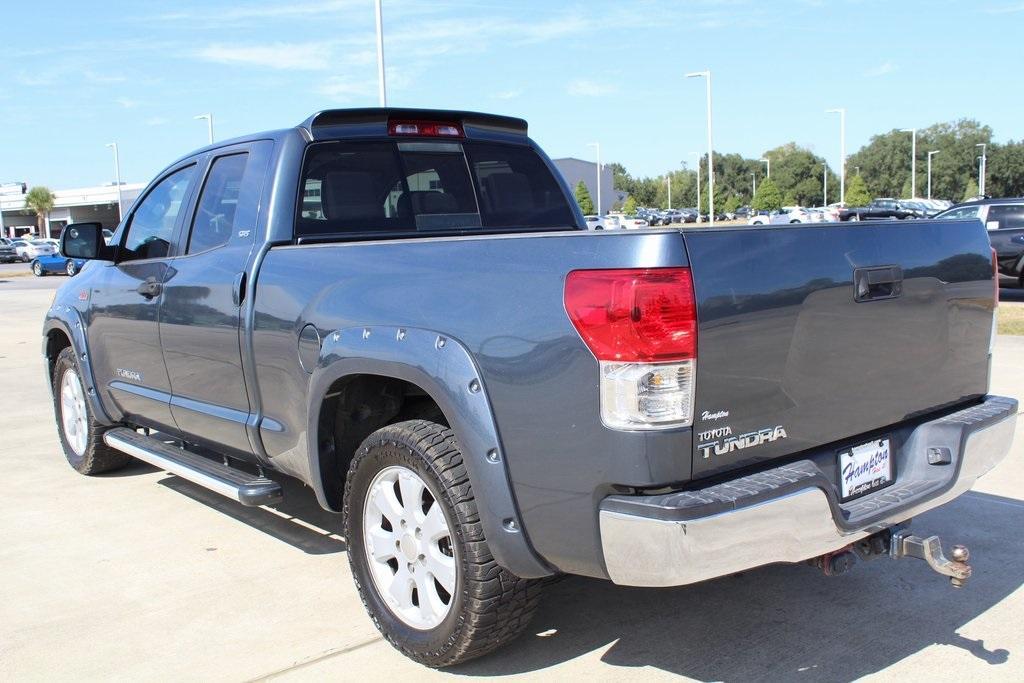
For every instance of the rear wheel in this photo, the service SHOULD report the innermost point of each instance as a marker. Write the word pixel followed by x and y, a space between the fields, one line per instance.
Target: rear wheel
pixel 418 553
pixel 81 436
pixel 70 268
pixel 37 269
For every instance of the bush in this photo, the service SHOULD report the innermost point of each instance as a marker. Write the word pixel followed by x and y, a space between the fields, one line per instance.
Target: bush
pixel 583 198
pixel 857 192
pixel 768 197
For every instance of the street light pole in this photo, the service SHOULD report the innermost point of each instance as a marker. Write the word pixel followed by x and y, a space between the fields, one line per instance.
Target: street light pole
pixel 842 152
pixel 598 146
pixel 981 169
pixel 930 155
pixel 753 181
pixel 117 179
pixel 913 160
pixel 711 160
pixel 381 87
pixel 824 184
pixel 669 179
pixel 769 163
pixel 209 124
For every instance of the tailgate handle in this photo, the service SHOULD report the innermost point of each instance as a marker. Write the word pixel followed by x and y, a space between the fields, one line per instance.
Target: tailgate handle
pixel 881 282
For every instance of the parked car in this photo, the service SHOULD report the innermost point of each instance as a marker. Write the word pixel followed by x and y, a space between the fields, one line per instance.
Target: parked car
pixel 595 222
pixel 482 431
pixel 8 254
pixel 673 216
pixel 633 222
pixel 1004 219
pixel 56 264
pixel 788 214
pixel 28 250
pixel 885 208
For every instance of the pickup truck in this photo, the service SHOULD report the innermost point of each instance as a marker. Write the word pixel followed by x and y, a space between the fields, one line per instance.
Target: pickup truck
pixel 403 309
pixel 1004 219
pixel 879 209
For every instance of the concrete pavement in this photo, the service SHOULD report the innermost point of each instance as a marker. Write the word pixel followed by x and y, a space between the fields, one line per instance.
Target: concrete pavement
pixel 142 576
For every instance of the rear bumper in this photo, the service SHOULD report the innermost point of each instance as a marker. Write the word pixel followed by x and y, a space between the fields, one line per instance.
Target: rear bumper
pixel 792 513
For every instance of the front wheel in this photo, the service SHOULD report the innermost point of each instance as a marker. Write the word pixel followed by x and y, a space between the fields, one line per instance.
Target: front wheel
pixel 81 436
pixel 71 268
pixel 418 553
pixel 37 269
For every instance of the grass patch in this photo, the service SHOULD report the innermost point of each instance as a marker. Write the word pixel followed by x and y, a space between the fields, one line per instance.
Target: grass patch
pixel 1011 318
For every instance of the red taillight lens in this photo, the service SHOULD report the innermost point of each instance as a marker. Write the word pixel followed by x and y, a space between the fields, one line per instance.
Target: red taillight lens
pixel 995 274
pixel 430 129
pixel 635 315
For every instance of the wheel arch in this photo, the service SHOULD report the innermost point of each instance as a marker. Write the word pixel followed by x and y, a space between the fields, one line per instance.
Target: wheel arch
pixel 444 371
pixel 65 328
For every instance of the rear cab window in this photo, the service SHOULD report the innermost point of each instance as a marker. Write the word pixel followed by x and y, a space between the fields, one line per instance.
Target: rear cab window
pixel 427 187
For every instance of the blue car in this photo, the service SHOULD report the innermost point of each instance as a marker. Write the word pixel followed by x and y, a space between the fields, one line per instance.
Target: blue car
pixel 55 263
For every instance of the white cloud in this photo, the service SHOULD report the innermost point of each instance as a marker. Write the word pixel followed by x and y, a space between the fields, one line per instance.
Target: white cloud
pixel 289 56
pixel 1007 9
pixel 254 10
pixel 508 94
pixel 582 87
pixel 342 89
pixel 156 121
pixel 127 103
pixel 880 70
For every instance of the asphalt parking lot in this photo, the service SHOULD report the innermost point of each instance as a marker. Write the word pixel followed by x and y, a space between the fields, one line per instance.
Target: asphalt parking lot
pixel 143 576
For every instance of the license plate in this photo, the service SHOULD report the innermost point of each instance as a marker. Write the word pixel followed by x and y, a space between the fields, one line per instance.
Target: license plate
pixel 864 468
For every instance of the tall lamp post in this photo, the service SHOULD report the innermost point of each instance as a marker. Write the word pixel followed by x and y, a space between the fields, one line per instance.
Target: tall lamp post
pixel 842 152
pixel 697 154
pixel 117 178
pixel 824 184
pixel 668 179
pixel 209 124
pixel 930 155
pixel 381 88
pixel 913 160
pixel 768 163
pixel 981 169
pixel 598 146
pixel 711 160
pixel 753 182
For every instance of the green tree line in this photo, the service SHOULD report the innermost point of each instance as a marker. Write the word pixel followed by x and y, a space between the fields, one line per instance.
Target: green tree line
pixel 879 169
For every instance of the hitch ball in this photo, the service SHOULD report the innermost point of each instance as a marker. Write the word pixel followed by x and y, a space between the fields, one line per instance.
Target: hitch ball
pixel 904 544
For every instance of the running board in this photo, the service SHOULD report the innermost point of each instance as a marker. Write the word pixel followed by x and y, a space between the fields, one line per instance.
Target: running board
pixel 247 489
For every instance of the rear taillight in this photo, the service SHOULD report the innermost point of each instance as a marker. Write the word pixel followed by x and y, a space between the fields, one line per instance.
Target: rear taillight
pixel 641 325
pixel 430 129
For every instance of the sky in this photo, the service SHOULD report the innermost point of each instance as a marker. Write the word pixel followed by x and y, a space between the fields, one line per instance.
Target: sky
pixel 79 74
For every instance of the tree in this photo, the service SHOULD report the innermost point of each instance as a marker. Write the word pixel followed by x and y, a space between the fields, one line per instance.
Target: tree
pixel 768 197
pixel 905 191
pixel 630 206
pixel 40 199
pixel 731 204
pixel 583 198
pixel 971 189
pixel 857 192
pixel 1005 174
pixel 796 171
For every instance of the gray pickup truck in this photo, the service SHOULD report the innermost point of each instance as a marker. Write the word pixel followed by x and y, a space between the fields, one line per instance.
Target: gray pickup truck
pixel 404 310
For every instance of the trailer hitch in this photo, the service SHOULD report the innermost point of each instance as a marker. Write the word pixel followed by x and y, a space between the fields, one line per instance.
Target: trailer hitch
pixel 905 544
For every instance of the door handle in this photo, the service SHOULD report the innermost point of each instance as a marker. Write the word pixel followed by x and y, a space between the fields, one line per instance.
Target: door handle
pixel 150 289
pixel 872 284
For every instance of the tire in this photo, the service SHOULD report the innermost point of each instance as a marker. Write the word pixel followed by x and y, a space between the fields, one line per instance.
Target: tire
pixel 37 269
pixel 81 436
pixel 25 258
pixel 71 269
pixel 855 218
pixel 487 606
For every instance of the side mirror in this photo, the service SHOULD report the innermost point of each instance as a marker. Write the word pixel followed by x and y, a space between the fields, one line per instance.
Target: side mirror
pixel 85 241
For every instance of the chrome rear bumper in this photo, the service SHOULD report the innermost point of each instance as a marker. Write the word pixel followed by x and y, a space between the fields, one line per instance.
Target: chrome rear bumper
pixel 792 513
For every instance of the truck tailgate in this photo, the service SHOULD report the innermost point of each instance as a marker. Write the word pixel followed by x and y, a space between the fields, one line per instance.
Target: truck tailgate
pixel 814 334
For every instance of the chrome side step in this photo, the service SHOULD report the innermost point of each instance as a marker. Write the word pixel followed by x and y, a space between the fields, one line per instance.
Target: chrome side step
pixel 247 489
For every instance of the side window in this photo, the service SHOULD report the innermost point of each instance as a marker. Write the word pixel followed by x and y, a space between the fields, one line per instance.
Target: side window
pixel 218 202
pixel 152 224
pixel 1008 216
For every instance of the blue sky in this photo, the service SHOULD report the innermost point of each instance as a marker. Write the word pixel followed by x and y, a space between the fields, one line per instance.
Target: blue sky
pixel 80 74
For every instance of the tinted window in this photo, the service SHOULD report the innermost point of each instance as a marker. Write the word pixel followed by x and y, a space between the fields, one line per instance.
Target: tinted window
pixel 1007 215
pixel 152 224
pixel 215 212
pixel 960 213
pixel 356 187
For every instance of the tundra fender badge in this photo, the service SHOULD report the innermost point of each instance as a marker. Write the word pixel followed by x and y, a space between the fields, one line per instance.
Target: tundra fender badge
pixel 133 375
pixel 735 443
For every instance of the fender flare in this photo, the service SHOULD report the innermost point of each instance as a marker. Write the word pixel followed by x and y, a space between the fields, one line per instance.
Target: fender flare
pixel 443 368
pixel 68 320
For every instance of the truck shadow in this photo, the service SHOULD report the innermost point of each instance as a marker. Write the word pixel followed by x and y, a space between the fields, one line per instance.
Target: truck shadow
pixel 297 520
pixel 784 622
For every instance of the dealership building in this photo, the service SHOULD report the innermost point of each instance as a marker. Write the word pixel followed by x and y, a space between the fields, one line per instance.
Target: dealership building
pixel 84 204
pixel 574 170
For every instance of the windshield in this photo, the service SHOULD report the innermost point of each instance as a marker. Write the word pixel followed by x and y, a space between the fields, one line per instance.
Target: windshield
pixel 427 186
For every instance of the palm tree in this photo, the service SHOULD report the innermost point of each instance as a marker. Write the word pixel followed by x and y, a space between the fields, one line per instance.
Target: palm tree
pixel 40 200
